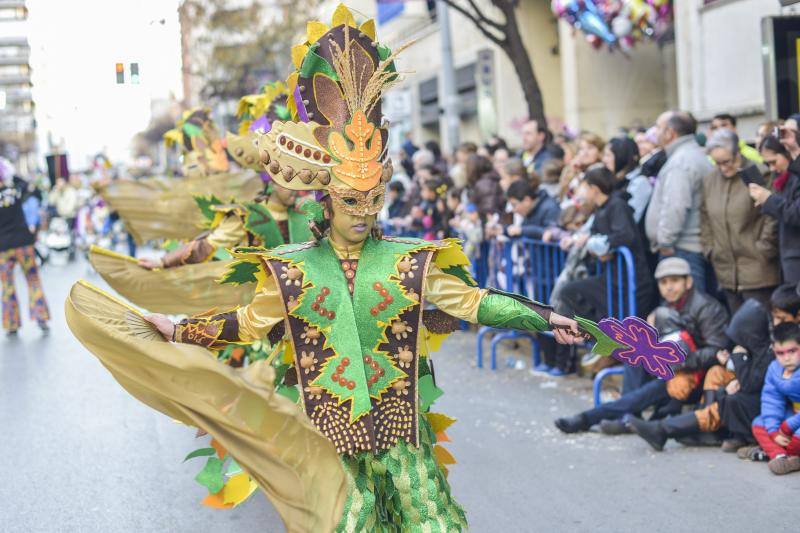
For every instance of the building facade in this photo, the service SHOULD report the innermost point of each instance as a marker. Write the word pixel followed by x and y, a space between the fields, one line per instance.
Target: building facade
pixel 17 124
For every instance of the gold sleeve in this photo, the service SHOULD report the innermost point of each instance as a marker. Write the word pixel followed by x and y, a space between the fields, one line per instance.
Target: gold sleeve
pixel 229 233
pixel 452 295
pixel 257 318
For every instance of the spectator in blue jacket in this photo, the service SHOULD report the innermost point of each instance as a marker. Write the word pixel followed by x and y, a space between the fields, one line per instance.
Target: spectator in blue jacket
pixel 537 208
pixel 777 428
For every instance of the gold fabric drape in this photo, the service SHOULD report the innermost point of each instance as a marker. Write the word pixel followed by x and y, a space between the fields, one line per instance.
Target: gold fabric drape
pixel 188 289
pixel 268 435
pixel 164 208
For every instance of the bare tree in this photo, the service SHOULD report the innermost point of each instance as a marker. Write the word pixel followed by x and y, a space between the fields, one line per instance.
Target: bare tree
pixel 507 36
pixel 249 44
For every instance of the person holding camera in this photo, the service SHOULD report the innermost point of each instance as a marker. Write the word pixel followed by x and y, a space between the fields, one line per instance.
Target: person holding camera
pixel 783 204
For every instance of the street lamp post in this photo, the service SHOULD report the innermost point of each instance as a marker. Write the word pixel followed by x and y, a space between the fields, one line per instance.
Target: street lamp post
pixel 449 121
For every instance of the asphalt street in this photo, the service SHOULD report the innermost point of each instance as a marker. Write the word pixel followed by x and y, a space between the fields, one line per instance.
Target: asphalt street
pixel 81 455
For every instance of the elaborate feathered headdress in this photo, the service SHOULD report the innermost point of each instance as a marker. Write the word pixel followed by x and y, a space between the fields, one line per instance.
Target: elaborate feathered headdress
pixel 256 113
pixel 196 133
pixel 335 140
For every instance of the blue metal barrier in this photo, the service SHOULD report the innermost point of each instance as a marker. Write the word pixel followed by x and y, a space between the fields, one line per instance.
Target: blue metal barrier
pixel 540 264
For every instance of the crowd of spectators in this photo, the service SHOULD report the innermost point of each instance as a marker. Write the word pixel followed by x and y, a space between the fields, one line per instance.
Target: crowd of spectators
pixel 713 226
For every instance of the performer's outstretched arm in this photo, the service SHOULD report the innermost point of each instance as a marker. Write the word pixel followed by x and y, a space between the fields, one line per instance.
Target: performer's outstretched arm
pixel 227 234
pixel 238 326
pixel 495 308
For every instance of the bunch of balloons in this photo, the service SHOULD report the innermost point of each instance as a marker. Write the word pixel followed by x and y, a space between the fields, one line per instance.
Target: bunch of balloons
pixel 617 23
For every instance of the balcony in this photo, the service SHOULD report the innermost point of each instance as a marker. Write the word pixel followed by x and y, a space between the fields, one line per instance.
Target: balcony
pixel 19 81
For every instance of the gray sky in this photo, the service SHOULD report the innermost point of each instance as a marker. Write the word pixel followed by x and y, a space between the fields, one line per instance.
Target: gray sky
pixel 75 45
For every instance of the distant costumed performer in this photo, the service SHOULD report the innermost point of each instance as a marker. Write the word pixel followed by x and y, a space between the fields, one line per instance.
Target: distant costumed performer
pixel 185 279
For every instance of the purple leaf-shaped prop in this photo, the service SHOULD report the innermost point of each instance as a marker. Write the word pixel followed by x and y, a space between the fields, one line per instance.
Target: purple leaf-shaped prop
pixel 640 346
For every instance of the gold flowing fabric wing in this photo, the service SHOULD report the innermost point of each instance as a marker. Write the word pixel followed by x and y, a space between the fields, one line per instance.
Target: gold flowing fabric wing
pixel 270 437
pixel 164 208
pixel 188 289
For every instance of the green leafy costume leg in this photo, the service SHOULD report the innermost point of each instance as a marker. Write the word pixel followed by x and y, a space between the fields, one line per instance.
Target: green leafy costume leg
pixel 400 489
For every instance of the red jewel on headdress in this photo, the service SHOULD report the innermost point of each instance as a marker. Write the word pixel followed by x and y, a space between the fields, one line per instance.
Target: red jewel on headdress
pixel 289 145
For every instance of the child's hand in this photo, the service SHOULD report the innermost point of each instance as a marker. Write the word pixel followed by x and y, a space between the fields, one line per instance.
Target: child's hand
pixel 781 440
pixel 514 231
pixel 733 387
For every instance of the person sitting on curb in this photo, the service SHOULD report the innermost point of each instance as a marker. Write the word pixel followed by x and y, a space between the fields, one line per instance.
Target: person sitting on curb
pixel 695 319
pixel 732 390
pixel 777 428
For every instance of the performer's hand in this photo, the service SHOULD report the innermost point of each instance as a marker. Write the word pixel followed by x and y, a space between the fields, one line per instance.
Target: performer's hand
pixel 163 324
pixel 149 264
pixel 565 330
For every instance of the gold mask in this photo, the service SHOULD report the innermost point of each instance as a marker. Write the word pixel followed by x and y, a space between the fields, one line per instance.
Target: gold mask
pixel 356 203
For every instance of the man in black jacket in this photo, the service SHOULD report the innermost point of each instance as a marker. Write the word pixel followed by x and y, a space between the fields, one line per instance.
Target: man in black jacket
pixel 732 407
pixel 537 208
pixel 691 317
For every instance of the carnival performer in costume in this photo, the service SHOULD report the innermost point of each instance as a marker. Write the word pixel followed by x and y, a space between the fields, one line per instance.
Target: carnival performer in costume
pixel 352 308
pixel 352 303
pixel 275 216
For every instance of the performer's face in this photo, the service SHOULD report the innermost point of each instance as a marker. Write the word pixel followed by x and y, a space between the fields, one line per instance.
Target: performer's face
pixel 283 195
pixel 348 229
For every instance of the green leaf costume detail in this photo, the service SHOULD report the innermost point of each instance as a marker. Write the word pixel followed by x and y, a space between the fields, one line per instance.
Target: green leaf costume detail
pixel 604 345
pixel 428 392
pixel 358 332
pixel 206 203
pixel 462 273
pixel 211 475
pixel 240 272
pixel 202 452
pixel 314 63
pixel 260 223
pixel 501 311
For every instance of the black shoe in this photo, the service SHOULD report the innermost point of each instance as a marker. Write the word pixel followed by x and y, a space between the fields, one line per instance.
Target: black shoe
pixel 652 432
pixel 572 424
pixel 702 440
pixel 45 327
pixel 12 333
pixel 657 433
pixel 615 427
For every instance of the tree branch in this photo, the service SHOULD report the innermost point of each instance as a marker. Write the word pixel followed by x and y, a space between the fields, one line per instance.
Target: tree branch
pixel 502 43
pixel 484 18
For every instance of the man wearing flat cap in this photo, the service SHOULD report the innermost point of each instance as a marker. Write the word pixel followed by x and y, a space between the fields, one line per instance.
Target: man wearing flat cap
pixel 688 316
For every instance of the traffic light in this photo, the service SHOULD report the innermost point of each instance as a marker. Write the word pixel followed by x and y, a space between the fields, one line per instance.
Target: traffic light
pixel 120 73
pixel 135 73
